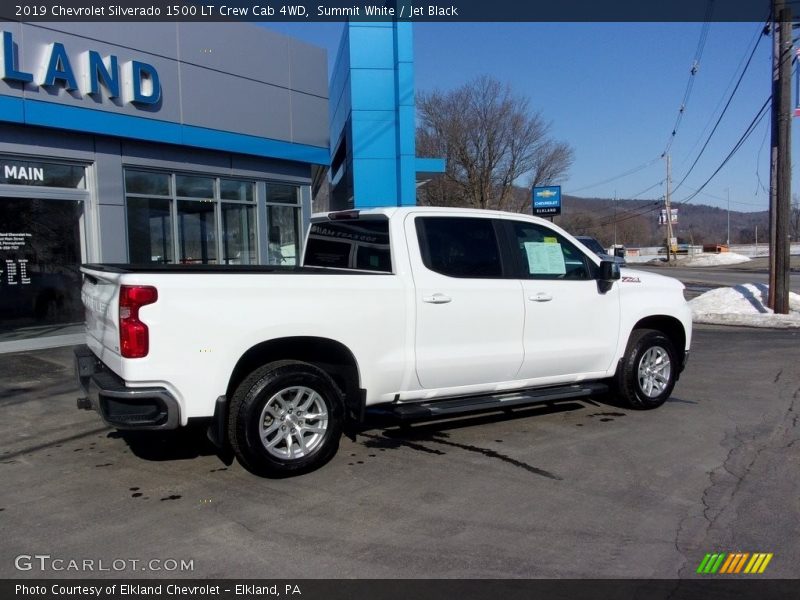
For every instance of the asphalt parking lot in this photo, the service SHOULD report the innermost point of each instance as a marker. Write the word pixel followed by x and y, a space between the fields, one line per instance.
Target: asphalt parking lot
pixel 571 490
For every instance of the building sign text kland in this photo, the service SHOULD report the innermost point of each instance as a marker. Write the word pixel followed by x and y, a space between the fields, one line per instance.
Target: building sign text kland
pixel 88 73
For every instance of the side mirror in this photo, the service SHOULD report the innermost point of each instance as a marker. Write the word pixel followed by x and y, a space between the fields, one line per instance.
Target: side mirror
pixel 609 270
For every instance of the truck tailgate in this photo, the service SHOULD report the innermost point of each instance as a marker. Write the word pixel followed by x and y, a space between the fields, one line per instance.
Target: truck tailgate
pixel 100 297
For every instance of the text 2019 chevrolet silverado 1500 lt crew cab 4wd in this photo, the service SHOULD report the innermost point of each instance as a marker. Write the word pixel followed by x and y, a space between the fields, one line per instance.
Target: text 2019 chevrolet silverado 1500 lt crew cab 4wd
pixel 425 312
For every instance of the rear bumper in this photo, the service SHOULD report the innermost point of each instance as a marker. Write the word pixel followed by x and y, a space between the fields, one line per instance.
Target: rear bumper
pixel 150 408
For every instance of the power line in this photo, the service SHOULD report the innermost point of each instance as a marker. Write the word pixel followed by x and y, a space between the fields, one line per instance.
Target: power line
pixel 758 161
pixel 698 53
pixel 639 212
pixel 750 128
pixel 684 103
pixel 724 110
pixel 620 176
pixel 758 34
pixel 657 204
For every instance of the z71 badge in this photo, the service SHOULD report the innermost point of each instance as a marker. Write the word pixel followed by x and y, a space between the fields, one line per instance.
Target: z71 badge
pixel 631 280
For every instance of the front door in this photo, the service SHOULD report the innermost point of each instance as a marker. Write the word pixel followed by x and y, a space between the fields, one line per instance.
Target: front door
pixel 571 326
pixel 40 257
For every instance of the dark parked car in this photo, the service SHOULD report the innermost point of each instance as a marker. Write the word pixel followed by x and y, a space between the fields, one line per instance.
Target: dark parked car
pixel 596 247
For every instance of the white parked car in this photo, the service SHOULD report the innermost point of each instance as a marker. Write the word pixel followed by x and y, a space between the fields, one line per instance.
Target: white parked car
pixel 423 312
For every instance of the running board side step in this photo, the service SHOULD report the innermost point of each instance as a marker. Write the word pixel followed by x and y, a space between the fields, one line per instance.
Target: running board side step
pixel 456 406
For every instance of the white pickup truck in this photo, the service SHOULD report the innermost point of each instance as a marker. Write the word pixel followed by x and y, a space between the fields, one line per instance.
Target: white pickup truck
pixel 421 312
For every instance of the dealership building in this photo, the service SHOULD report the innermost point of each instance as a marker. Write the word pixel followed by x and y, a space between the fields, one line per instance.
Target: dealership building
pixel 184 143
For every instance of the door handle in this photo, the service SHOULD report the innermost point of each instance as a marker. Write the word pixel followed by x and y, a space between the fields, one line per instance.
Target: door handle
pixel 540 297
pixel 436 299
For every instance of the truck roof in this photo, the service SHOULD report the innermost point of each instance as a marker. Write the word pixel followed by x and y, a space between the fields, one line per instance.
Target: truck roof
pixel 396 210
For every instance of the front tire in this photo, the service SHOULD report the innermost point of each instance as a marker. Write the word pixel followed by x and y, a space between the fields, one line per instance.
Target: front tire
pixel 646 375
pixel 285 419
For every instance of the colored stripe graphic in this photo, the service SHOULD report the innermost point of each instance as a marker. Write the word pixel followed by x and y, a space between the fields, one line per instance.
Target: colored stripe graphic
pixel 729 563
pixel 745 556
pixel 715 567
pixel 703 563
pixel 754 562
pixel 723 563
pixel 765 563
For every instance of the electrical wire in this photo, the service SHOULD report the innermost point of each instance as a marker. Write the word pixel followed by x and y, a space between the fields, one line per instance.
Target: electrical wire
pixel 756 37
pixel 758 161
pixel 656 205
pixel 762 112
pixel 724 110
pixel 620 176
pixel 698 54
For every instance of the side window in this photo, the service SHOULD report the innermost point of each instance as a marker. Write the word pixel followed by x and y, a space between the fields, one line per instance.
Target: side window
pixel 459 246
pixel 546 254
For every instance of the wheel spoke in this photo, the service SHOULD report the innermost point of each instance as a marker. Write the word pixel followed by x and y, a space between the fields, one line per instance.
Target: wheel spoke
pixel 289 447
pixel 296 400
pixel 312 397
pixel 281 403
pixel 300 441
pixel 274 427
pixel 273 442
pixel 314 429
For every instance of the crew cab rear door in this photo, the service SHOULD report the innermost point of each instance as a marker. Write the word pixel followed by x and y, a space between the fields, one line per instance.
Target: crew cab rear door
pixel 470 313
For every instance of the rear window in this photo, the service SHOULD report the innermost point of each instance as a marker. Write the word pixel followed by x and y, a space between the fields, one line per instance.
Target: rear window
pixel 357 244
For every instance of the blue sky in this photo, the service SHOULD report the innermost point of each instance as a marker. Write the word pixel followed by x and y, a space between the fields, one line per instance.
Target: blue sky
pixel 613 92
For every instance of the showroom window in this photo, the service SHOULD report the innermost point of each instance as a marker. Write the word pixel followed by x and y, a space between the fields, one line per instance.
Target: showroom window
pixel 283 218
pixel 190 219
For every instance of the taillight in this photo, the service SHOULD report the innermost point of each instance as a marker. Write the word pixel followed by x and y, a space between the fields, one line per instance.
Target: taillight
pixel 134 337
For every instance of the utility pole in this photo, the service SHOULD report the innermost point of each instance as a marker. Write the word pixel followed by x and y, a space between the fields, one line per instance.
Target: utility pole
pixel 780 157
pixel 615 219
pixel 728 242
pixel 668 208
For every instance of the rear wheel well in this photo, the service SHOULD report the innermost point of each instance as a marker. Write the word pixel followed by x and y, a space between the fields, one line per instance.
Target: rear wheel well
pixel 329 355
pixel 669 326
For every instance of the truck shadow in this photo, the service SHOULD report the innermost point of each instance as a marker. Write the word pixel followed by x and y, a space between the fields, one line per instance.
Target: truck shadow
pixel 181 444
pixel 382 433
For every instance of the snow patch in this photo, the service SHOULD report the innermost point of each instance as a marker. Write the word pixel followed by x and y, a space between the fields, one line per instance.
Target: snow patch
pixel 715 260
pixel 744 304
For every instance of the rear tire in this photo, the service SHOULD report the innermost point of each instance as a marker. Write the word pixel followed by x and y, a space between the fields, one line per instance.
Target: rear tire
pixel 646 375
pixel 285 419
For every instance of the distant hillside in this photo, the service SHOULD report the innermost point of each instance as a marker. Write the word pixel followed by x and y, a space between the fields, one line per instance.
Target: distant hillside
pixel 637 222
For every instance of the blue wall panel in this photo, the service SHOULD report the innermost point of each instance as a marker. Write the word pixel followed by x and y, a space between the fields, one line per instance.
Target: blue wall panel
pixel 377 105
pixel 372 89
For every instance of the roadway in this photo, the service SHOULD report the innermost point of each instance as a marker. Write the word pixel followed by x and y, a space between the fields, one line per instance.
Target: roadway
pixel 704 278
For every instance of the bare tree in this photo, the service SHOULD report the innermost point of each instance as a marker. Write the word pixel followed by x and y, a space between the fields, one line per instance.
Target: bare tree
pixel 490 139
